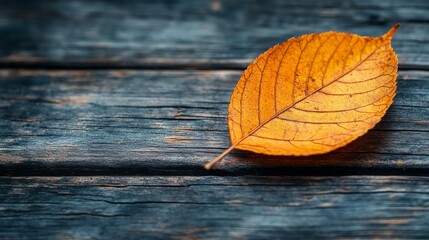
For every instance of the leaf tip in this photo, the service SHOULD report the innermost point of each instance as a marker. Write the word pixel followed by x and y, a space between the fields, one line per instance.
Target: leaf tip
pixel 392 31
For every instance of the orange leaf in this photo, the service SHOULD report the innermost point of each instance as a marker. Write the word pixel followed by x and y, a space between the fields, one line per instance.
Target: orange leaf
pixel 312 94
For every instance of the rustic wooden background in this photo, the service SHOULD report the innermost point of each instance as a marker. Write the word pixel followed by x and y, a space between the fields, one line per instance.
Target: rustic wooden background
pixel 109 109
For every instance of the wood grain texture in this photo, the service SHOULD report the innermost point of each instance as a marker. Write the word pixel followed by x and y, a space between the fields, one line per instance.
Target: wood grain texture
pixel 214 207
pixel 202 34
pixel 156 108
pixel 172 122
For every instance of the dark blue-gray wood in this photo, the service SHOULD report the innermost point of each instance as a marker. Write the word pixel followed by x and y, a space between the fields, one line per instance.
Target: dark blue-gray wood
pixel 195 33
pixel 214 207
pixel 172 122
pixel 109 109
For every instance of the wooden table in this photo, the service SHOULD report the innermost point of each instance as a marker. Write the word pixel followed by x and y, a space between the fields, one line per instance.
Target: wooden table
pixel 109 109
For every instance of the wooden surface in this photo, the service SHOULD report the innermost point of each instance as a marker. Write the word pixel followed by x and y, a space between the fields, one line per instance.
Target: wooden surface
pixel 109 110
pixel 214 207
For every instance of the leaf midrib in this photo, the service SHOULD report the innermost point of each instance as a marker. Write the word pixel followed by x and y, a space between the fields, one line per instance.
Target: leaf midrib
pixel 305 97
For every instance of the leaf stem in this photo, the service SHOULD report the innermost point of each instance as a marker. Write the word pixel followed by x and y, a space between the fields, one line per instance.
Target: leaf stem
pixel 210 164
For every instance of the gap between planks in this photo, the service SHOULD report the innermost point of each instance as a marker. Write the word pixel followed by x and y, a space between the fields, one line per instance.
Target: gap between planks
pixel 167 66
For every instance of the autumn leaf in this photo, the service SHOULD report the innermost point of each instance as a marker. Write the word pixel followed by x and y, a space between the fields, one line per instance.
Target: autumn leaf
pixel 312 94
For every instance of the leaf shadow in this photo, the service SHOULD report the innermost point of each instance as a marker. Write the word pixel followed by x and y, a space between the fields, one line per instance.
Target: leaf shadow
pixel 368 150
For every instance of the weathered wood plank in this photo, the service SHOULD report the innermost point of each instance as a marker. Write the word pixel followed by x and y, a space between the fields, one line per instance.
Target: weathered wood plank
pixel 171 122
pixel 203 34
pixel 214 207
